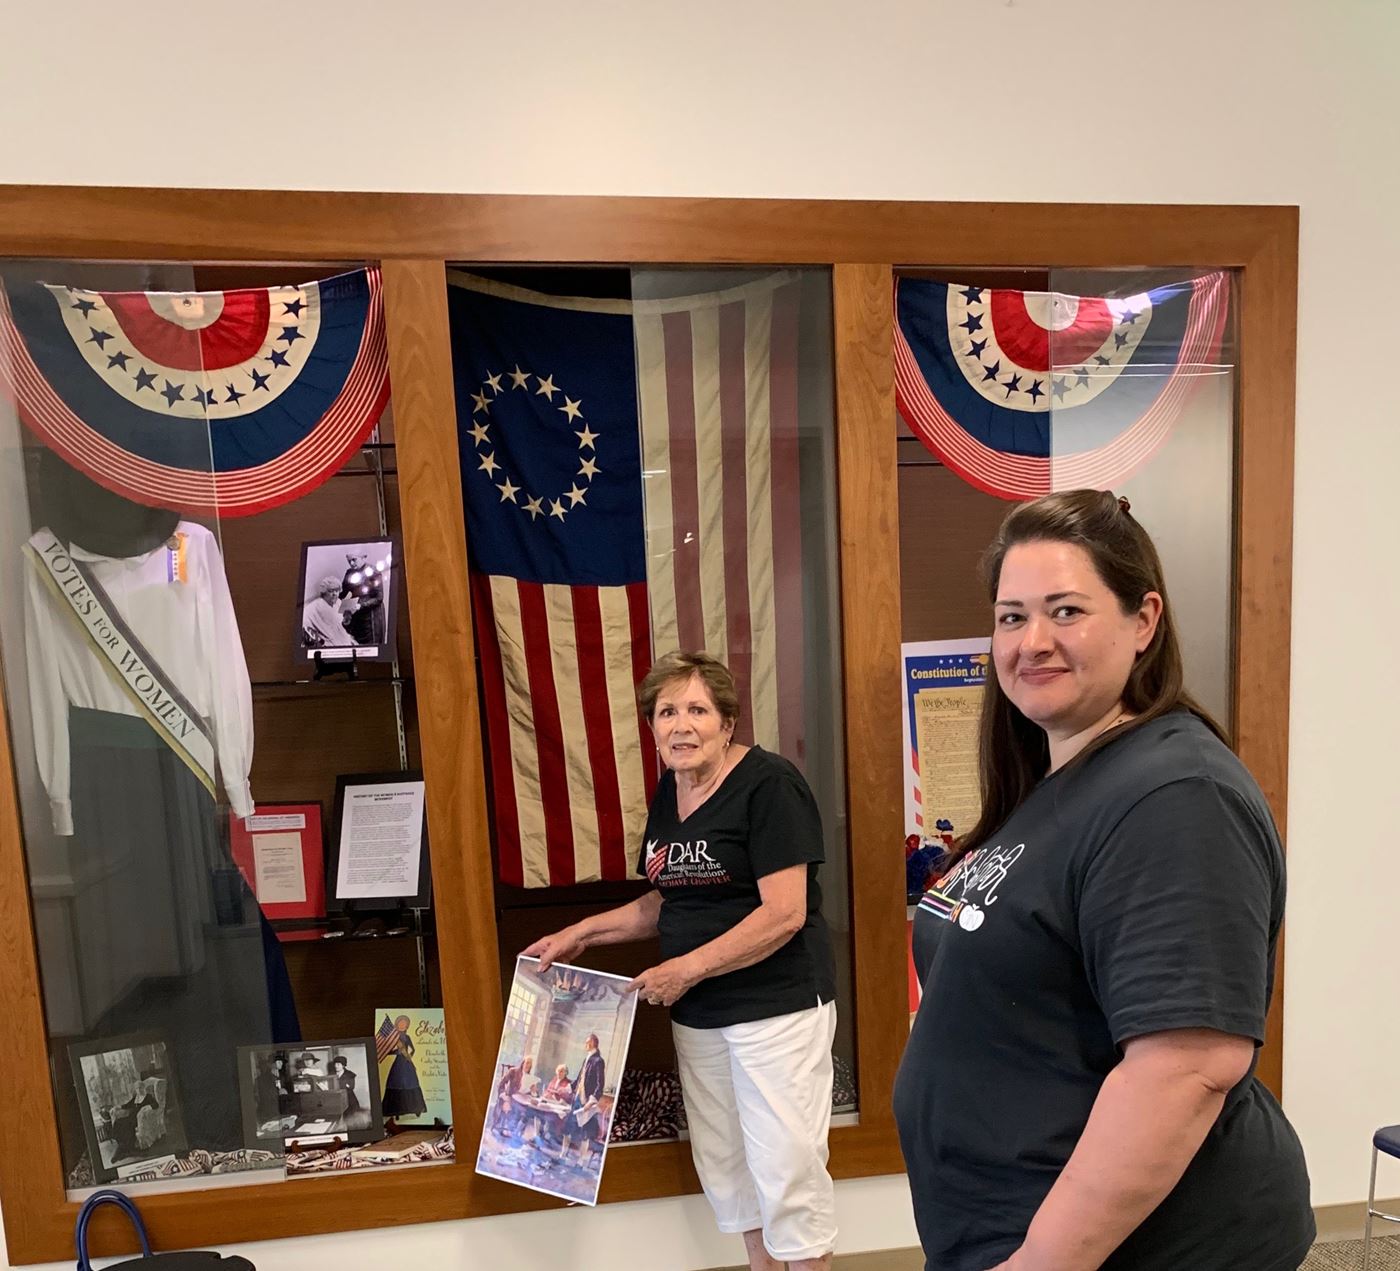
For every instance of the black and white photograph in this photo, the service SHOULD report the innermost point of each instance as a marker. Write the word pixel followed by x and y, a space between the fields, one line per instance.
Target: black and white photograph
pixel 131 1111
pixel 346 601
pixel 310 1093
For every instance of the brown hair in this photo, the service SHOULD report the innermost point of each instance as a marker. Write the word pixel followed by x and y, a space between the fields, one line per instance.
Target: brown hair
pixel 681 665
pixel 1013 752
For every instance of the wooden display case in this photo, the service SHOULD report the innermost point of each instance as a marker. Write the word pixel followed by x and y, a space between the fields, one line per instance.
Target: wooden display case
pixel 413 237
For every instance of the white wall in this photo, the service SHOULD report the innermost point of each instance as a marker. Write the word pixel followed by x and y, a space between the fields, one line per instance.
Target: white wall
pixel 1287 101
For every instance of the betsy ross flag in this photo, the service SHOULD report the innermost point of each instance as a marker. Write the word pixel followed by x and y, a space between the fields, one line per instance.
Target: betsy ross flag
pixel 1024 392
pixel 630 474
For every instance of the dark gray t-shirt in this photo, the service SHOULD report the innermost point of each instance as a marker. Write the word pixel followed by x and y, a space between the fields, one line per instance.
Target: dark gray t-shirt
pixel 1136 891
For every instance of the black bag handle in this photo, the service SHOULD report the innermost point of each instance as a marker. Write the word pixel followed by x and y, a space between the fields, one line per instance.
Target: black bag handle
pixel 108 1196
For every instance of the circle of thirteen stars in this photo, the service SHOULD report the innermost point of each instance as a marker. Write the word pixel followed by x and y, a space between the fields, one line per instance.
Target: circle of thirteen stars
pixel 482 401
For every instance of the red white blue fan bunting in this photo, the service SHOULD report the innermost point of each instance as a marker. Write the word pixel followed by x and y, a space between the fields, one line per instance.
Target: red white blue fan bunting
pixel 226 402
pixel 1022 392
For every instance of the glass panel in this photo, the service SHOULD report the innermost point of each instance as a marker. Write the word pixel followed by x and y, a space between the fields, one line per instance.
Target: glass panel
pixel 953 494
pixel 177 665
pixel 735 380
pixel 1142 388
pixel 596 544
pixel 1014 382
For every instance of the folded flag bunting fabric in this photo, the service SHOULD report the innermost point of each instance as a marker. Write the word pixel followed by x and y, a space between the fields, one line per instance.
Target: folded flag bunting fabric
pixel 630 474
pixel 220 402
pixel 1024 392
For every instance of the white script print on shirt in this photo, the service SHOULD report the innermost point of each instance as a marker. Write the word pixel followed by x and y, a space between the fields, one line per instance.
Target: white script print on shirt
pixel 683 864
pixel 969 892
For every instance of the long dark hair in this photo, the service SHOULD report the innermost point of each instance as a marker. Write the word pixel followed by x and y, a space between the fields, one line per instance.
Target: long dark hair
pixel 1013 752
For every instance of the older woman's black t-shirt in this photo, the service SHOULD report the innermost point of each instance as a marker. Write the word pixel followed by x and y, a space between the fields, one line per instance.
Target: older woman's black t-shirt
pixel 762 819
pixel 1138 891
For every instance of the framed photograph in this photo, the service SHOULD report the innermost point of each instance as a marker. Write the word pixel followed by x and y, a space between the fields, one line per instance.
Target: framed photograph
pixel 309 1094
pixel 558 1071
pixel 379 851
pixel 345 601
pixel 281 851
pixel 127 1093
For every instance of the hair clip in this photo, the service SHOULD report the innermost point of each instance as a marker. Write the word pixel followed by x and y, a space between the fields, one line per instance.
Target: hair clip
pixel 1123 504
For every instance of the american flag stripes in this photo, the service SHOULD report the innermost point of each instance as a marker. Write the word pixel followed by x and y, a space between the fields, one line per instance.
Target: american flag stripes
pixel 572 763
pixel 386 1039
pixel 717 378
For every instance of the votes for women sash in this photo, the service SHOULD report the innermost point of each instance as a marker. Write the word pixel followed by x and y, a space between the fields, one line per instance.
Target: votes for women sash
pixel 120 652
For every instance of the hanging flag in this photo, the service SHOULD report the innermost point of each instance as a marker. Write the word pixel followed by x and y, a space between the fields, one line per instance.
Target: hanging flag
pixel 630 472
pixel 220 402
pixel 551 478
pixel 1021 392
pixel 718 381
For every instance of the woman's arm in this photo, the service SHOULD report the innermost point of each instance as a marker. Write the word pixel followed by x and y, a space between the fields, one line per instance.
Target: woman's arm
pixel 1150 1118
pixel 635 921
pixel 777 919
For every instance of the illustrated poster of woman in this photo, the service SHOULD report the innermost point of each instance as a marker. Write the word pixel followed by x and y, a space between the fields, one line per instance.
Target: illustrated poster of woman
pixel 403 1096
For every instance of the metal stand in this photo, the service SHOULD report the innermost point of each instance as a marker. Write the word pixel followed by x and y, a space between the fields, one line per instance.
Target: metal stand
pixel 419 937
pixel 377 459
pixel 325 668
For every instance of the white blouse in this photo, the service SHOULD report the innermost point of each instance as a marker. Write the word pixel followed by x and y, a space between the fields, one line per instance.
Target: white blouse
pixel 186 625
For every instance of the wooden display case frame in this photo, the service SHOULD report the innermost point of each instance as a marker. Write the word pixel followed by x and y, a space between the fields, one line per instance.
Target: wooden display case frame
pixel 412 236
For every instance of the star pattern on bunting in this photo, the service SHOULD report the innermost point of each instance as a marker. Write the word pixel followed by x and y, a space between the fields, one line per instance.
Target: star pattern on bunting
pixel 994 373
pixel 128 366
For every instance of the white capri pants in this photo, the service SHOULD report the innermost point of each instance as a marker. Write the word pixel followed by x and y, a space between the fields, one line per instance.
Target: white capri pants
pixel 758 1103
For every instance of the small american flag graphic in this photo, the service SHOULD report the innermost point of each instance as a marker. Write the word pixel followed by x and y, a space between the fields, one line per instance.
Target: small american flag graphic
pixel 386 1039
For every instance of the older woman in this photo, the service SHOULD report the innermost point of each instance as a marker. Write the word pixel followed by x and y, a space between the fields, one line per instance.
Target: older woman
pixel 1078 1089
pixel 322 622
pixel 733 842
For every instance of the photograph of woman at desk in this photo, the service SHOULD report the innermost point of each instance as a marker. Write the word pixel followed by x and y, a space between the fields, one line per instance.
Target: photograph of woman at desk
pixel 310 1094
